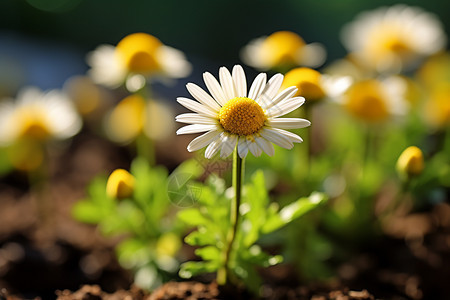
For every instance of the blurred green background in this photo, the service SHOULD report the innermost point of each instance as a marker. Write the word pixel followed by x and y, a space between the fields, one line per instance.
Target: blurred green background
pixel 47 40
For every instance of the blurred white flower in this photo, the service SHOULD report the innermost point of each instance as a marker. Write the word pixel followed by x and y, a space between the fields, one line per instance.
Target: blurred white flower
pixel 282 49
pixel 38 116
pixel 136 54
pixel 388 39
pixel 314 86
pixel 374 100
pixel 135 115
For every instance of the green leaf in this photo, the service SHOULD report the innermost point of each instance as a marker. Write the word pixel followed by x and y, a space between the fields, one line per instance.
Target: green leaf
pixel 192 268
pixel 191 167
pixel 199 238
pixel 256 256
pixel 133 253
pixel 293 211
pixel 254 208
pixel 193 217
pixel 87 211
pixel 208 253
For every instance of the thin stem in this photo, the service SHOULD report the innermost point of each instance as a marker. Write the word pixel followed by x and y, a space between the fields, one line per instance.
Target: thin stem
pixel 145 148
pixel 224 273
pixel 303 155
pixel 446 147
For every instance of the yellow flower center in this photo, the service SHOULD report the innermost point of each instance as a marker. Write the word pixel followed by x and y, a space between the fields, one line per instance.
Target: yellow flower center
pixel 33 125
pixel 307 81
pixel 388 40
pixel 138 52
pixel 242 116
pixel 367 101
pixel 283 47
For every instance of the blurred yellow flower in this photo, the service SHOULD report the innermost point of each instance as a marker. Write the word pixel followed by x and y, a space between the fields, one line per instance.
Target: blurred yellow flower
pixel 136 54
pixel 126 120
pixel 120 184
pixel 282 49
pixel 437 106
pixel 410 162
pixel 38 116
pixel 26 155
pixel 168 244
pixel 392 38
pixel 89 99
pixel 314 86
pixel 134 116
pixel 374 100
pixel 435 70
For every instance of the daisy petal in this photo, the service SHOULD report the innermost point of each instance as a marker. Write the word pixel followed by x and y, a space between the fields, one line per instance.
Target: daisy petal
pixel 197 107
pixel 203 140
pixel 254 149
pixel 201 96
pixel 289 123
pixel 265 145
pixel 214 88
pixel 271 90
pixel 284 95
pixel 291 136
pixel 229 144
pixel 242 147
pixel 196 128
pixel 285 107
pixel 226 81
pixel 258 86
pixel 277 138
pixel 191 118
pixel 240 83
pixel 212 148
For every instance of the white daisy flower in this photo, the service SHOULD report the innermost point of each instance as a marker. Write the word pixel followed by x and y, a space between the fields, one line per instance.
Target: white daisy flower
pixel 231 116
pixel 38 116
pixel 391 38
pixel 282 49
pixel 138 54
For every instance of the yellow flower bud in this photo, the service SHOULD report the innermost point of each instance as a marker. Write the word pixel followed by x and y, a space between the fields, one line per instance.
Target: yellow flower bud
pixel 410 163
pixel 120 184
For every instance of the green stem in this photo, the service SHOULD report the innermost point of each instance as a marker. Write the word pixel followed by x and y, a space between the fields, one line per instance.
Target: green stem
pixel 303 155
pixel 145 148
pixel 223 274
pixel 446 147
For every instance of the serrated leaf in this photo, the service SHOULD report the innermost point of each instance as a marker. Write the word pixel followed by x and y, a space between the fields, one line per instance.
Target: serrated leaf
pixel 193 217
pixel 293 211
pixel 197 238
pixel 192 268
pixel 208 253
pixel 257 256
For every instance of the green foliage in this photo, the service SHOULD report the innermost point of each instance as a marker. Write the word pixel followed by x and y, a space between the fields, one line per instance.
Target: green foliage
pixel 259 217
pixel 150 238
